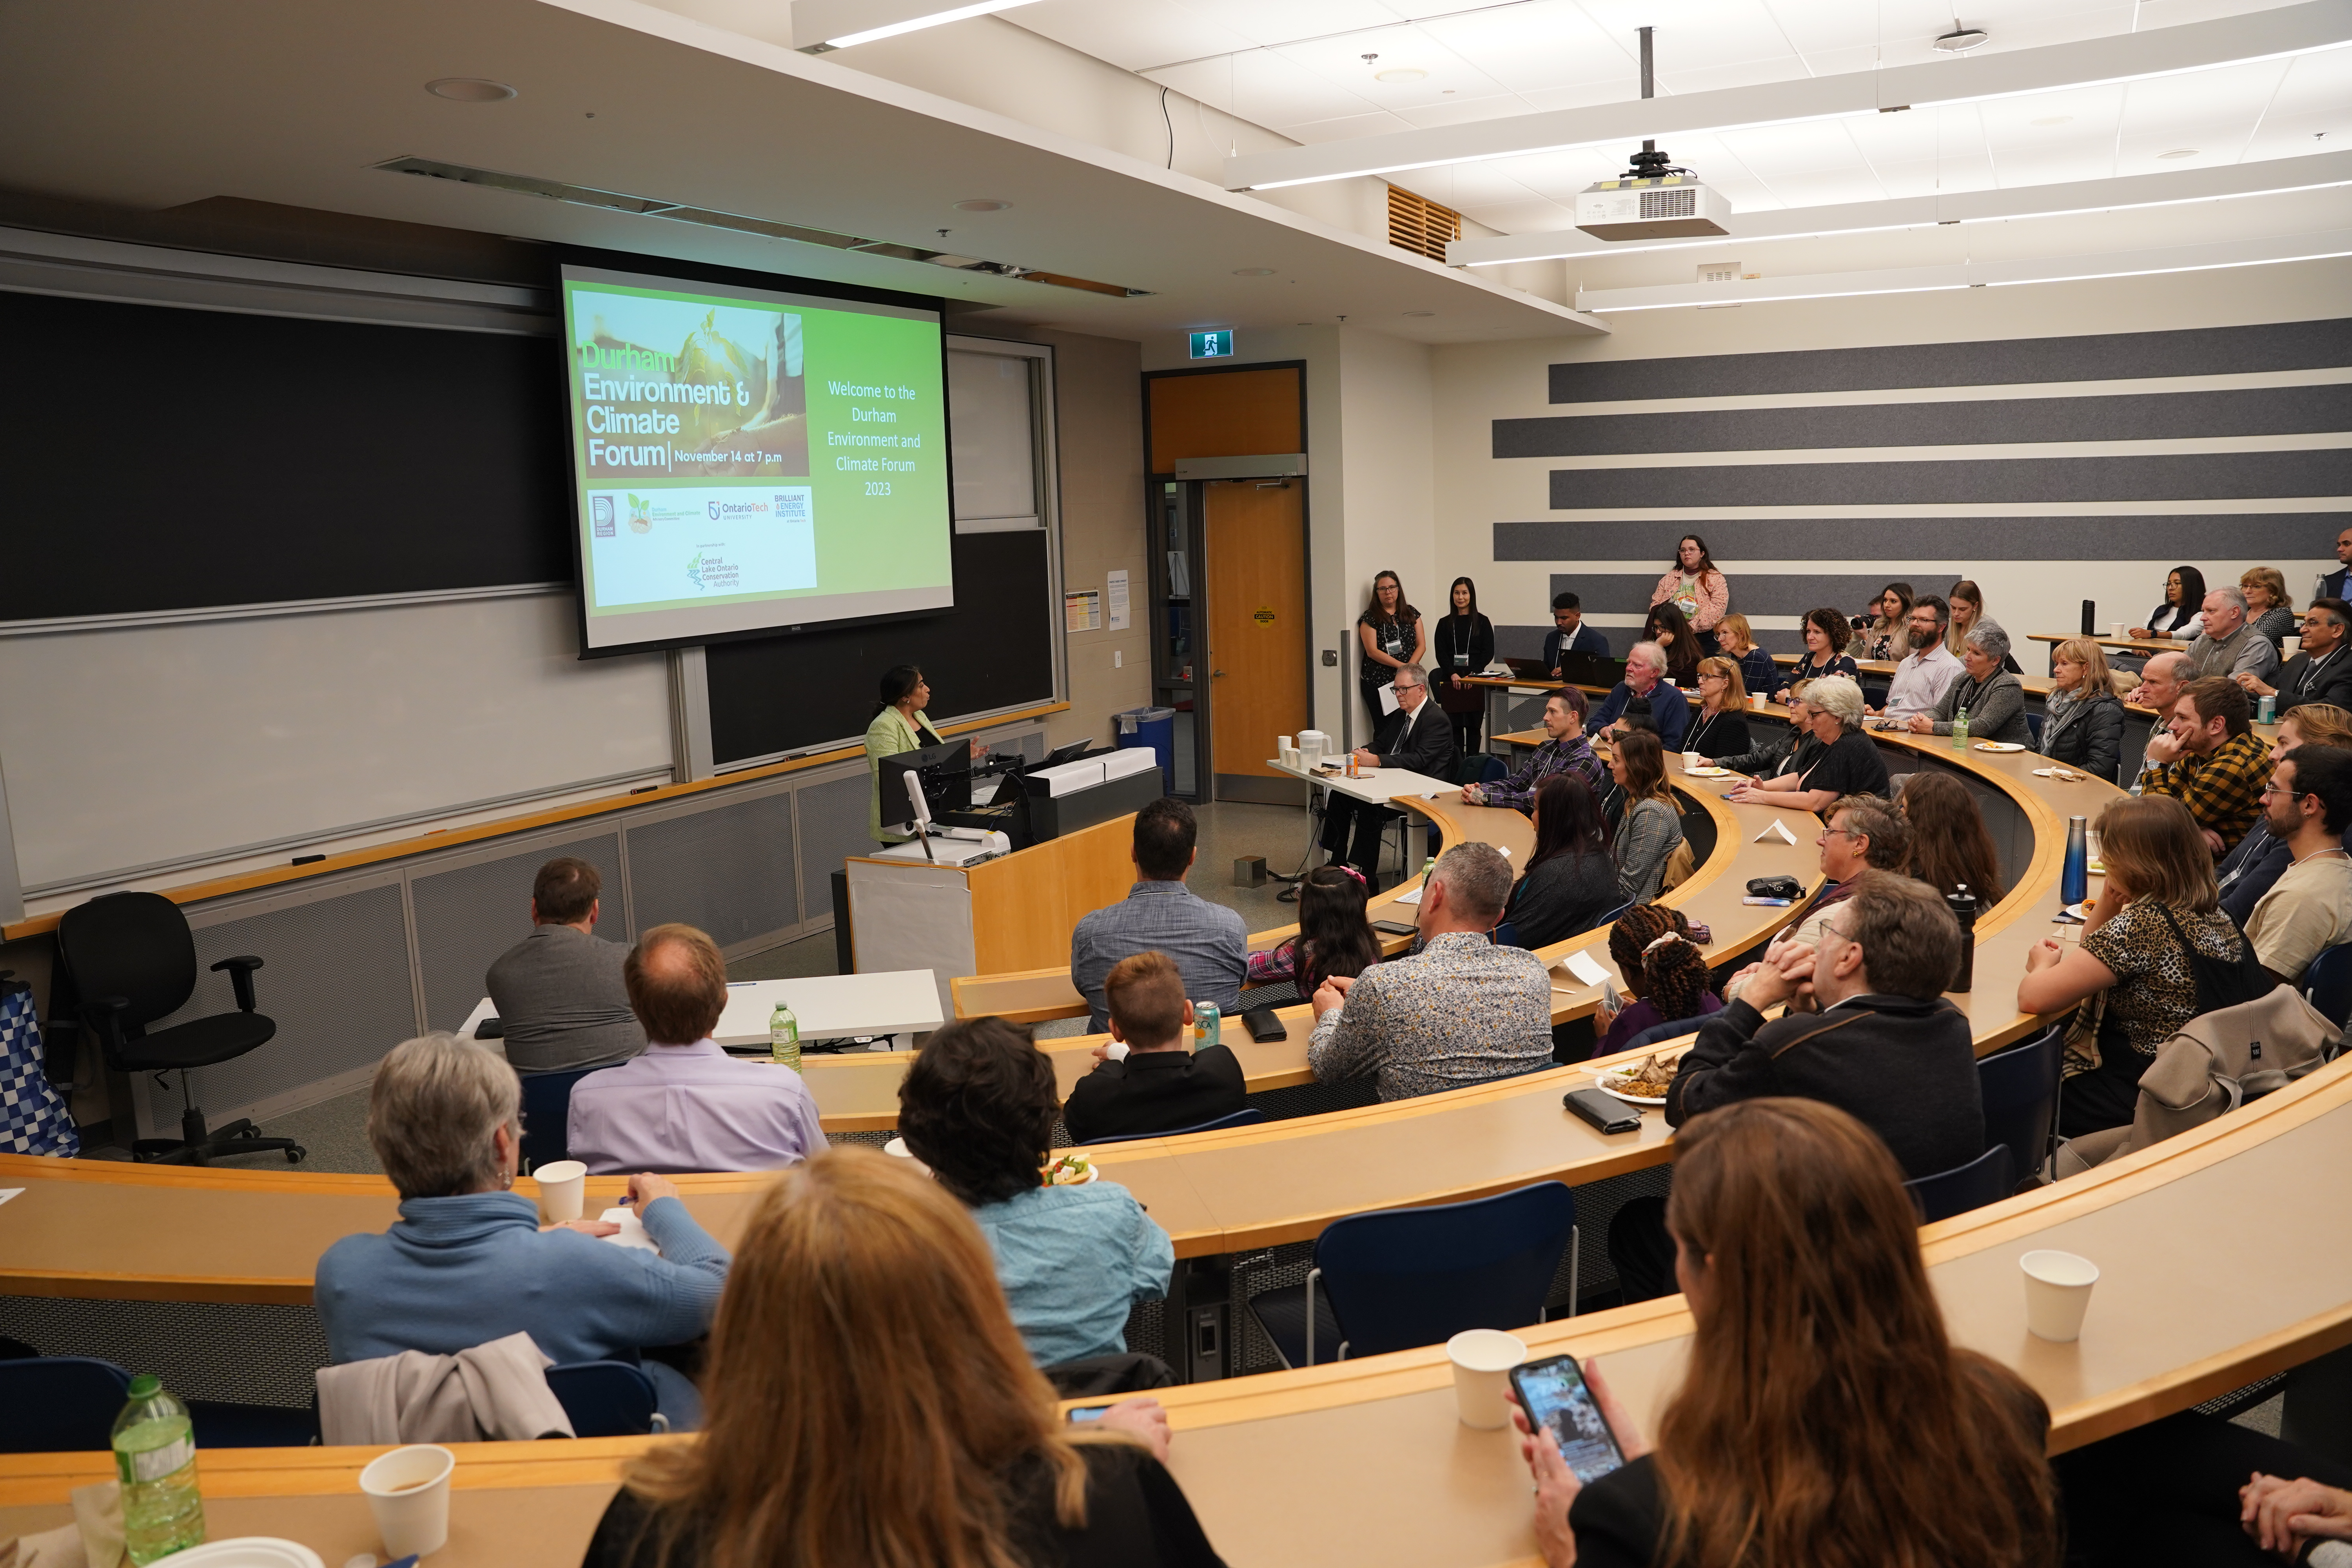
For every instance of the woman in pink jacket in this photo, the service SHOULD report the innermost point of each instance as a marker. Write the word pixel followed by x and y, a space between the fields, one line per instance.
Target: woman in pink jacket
pixel 1693 585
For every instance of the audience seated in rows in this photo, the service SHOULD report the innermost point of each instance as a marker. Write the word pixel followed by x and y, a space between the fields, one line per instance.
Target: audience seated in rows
pixel 1993 699
pixel 1824 1416
pixel 1334 936
pixel 561 1001
pixel 2307 807
pixel 1929 670
pixel 1718 726
pixel 1665 627
pixel 1649 825
pixel 1847 763
pixel 1736 638
pixel 1564 749
pixel 2253 867
pixel 1792 750
pixel 2270 608
pixel 1825 634
pixel 2156 951
pixel 1156 1083
pixel 1645 689
pixel 467 1263
pixel 870 1403
pixel 1159 913
pixel 2321 671
pixel 2184 601
pixel 2211 760
pixel 1666 977
pixel 2161 681
pixel 2083 719
pixel 1862 832
pixel 2230 645
pixel 1568 633
pixel 1952 847
pixel 978 1106
pixel 1461 1011
pixel 1570 882
pixel 684 1104
pixel 1418 738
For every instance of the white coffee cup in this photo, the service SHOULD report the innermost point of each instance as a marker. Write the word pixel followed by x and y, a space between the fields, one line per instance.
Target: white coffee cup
pixel 898 1146
pixel 1756 699
pixel 1692 761
pixel 2057 1291
pixel 561 1184
pixel 1283 745
pixel 2117 628
pixel 1483 1360
pixel 408 1488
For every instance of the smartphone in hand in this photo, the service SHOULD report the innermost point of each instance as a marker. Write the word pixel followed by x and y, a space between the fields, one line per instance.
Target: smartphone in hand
pixel 1559 1404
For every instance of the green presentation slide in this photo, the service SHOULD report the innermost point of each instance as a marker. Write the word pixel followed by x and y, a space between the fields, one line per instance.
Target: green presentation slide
pixel 747 460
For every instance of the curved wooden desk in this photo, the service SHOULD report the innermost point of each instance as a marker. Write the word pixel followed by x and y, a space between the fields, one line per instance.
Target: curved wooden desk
pixel 2210 1278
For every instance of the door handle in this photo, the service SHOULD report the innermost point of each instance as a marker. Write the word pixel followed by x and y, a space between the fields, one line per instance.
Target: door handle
pixel 1216 675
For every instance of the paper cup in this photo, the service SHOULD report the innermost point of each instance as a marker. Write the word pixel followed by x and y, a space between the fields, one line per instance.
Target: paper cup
pixel 408 1490
pixel 560 1184
pixel 1283 744
pixel 2057 1290
pixel 1693 760
pixel 898 1146
pixel 1756 701
pixel 1483 1360
pixel 2117 630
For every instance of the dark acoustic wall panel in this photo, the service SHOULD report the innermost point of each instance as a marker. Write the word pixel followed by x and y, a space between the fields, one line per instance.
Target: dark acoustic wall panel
pixel 728 870
pixel 2179 536
pixel 832 828
pixel 993 650
pixel 1963 481
pixel 177 459
pixel 468 914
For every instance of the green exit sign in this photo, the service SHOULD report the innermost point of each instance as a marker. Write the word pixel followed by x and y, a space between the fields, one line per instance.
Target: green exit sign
pixel 1213 345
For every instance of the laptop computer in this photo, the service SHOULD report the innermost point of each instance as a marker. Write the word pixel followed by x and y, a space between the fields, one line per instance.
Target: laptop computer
pixel 1530 669
pixel 1591 670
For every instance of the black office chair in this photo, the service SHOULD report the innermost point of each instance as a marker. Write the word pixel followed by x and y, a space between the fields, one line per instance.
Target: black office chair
pixel 133 961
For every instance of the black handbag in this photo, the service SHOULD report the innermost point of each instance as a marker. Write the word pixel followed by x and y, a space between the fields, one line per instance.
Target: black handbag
pixel 1774 888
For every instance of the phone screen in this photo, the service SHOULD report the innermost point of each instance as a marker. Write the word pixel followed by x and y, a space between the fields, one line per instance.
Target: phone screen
pixel 1554 1395
pixel 1085 1413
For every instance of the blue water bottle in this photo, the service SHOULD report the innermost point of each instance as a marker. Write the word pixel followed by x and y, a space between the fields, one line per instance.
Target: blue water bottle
pixel 2075 878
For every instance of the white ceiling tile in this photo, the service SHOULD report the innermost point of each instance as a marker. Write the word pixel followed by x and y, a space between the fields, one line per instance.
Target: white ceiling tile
pixel 1461 110
pixel 1267 22
pixel 1524 217
pixel 1543 44
pixel 1341 63
pixel 1133 34
pixel 1343 129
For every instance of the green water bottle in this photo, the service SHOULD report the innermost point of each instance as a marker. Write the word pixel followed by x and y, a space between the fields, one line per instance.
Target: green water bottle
pixel 784 1036
pixel 155 1459
pixel 1960 731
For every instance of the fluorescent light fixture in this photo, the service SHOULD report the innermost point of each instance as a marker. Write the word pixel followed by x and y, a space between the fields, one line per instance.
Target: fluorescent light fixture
pixel 820 25
pixel 2281 33
pixel 1974 274
pixel 2271 177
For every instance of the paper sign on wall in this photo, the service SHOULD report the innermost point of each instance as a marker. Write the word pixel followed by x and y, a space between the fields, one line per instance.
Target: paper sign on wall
pixel 1082 610
pixel 1119 601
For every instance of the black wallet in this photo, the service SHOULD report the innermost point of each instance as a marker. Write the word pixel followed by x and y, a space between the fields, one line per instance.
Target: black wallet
pixel 1263 1026
pixel 1605 1111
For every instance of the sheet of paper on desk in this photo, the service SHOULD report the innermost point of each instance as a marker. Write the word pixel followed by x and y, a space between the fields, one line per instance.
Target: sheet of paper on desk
pixel 1411 898
pixel 7 1192
pixel 1773 828
pixel 632 1230
pixel 1582 965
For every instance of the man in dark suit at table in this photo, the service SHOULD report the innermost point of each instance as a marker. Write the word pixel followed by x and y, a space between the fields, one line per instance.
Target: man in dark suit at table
pixel 1417 737
pixel 2321 671
pixel 1146 1080
pixel 1570 634
pixel 2338 584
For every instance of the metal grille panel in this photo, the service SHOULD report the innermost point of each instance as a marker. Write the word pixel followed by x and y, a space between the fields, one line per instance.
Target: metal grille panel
pixel 467 915
pixel 252 1355
pixel 728 870
pixel 832 828
pixel 335 981
pixel 1683 203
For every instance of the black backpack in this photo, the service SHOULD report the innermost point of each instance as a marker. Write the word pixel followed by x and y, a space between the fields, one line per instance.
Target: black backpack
pixel 2223 982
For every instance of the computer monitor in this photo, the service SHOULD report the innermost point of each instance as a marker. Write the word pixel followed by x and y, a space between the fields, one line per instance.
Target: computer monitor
pixel 1066 753
pixel 945 773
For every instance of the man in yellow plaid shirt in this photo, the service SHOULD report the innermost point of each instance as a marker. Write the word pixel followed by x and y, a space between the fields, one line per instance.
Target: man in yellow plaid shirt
pixel 2212 760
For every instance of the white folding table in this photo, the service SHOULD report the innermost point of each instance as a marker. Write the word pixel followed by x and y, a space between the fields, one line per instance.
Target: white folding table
pixel 829 1006
pixel 1377 786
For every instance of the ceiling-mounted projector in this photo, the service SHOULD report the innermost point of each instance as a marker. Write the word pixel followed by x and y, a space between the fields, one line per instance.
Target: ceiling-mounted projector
pixel 1653 199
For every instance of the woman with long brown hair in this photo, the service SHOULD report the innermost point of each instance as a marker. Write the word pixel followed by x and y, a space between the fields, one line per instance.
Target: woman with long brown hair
pixel 1649 826
pixel 1667 627
pixel 1886 636
pixel 1570 883
pixel 1825 1420
pixel 1391 633
pixel 1694 585
pixel 1949 842
pixel 871 1403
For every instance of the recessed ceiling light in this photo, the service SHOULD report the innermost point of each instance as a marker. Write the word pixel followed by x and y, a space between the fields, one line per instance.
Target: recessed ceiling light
pixel 1401 73
pixel 1252 272
pixel 1961 40
pixel 470 89
pixel 2179 153
pixel 1421 312
pixel 981 205
pixel 2054 119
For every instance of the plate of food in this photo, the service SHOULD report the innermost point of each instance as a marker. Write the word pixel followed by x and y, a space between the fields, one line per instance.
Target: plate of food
pixel 1070 1169
pixel 1999 746
pixel 1643 1083
pixel 1709 772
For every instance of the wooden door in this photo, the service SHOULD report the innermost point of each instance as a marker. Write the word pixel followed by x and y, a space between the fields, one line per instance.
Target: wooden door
pixel 1255 541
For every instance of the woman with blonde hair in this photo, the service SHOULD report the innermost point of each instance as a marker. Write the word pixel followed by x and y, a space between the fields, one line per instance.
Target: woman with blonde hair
pixel 2159 912
pixel 1718 725
pixel 1736 638
pixel 1825 1418
pixel 870 1401
pixel 2269 606
pixel 2261 857
pixel 2083 719
pixel 1966 602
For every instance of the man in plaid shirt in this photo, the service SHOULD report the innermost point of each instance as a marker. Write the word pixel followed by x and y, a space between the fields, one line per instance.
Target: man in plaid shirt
pixel 2212 760
pixel 1565 752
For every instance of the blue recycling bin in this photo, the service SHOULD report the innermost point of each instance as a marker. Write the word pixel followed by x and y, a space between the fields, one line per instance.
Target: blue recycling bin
pixel 1154 728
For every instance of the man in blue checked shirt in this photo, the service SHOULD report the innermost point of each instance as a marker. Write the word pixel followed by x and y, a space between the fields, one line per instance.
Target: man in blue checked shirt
pixel 1565 752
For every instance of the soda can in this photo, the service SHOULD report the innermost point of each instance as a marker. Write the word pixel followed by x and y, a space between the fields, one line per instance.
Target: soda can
pixel 2267 710
pixel 1208 1025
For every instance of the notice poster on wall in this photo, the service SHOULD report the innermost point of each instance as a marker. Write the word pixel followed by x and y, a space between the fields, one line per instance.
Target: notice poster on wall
pixel 748 461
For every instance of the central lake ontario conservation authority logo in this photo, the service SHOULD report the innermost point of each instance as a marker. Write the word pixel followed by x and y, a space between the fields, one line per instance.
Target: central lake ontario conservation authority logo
pixel 694 571
pixel 639 522
pixel 600 511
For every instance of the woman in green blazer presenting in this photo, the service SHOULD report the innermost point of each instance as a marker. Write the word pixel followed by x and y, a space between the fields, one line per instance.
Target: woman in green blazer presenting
pixel 899 725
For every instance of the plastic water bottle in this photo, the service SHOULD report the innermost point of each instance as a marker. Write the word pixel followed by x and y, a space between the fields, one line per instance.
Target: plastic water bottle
pixel 1208 1025
pixel 784 1036
pixel 155 1459
pixel 1960 731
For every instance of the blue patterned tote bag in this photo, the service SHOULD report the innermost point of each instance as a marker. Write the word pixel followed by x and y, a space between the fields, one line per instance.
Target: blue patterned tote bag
pixel 33 1119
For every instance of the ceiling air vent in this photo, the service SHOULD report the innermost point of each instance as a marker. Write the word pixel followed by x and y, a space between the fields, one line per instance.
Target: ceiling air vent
pixel 1420 226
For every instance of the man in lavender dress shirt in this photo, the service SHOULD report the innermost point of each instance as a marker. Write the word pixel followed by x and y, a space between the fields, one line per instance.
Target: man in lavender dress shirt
pixel 687 1107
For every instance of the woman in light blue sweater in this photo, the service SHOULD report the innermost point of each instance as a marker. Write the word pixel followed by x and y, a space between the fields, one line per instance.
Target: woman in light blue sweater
pixel 468 1263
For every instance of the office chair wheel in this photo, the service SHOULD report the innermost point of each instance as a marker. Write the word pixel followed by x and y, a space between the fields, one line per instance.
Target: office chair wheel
pixel 297 1154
